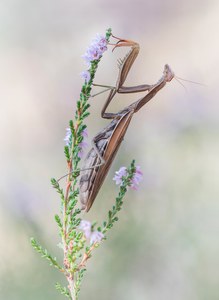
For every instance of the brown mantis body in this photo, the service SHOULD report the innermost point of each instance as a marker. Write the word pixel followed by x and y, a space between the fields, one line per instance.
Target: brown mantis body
pixel 106 143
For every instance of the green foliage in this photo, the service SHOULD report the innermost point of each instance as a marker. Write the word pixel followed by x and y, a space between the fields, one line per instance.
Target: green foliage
pixel 63 290
pixel 67 154
pixel 56 186
pixel 71 126
pixel 58 221
pixel 44 253
pixel 78 282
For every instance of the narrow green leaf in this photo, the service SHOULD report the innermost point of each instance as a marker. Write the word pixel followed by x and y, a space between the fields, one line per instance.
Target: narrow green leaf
pixel 58 221
pixel 44 253
pixel 63 290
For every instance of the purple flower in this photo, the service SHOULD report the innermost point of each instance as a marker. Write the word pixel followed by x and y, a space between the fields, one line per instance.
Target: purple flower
pixel 101 42
pixel 96 49
pixel 137 177
pixel 83 144
pixel 93 236
pixel 67 136
pixel 85 226
pixel 119 174
pixel 85 75
pixel 92 53
pixel 96 237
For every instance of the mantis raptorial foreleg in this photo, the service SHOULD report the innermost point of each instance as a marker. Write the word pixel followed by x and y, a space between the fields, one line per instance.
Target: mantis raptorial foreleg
pixel 124 68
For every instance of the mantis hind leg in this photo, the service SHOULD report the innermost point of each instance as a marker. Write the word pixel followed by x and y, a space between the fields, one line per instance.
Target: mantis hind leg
pixel 102 162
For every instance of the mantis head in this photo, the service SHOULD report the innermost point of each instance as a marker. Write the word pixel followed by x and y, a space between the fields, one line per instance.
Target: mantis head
pixel 168 73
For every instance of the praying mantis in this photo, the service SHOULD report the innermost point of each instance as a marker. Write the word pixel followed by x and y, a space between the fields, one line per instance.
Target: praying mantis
pixel 107 142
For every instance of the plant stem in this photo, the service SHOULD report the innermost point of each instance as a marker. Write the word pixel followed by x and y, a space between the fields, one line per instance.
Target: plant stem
pixel 71 287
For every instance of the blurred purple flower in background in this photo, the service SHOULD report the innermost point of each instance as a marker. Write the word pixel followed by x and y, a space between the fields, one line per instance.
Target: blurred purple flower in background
pixel 83 144
pixel 137 177
pixel 67 136
pixel 85 226
pixel 96 237
pixel 85 75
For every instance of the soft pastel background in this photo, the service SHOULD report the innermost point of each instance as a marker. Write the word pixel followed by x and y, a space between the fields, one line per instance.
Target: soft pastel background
pixel 166 244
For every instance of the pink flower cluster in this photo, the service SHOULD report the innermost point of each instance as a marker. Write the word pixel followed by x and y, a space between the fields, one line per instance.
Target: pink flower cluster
pixel 96 49
pixel 94 52
pixel 138 175
pixel 93 236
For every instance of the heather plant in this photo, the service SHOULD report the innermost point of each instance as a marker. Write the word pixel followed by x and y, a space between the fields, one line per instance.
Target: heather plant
pixel 79 237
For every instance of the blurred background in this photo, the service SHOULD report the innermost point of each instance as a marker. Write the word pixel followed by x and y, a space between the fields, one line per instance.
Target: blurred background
pixel 166 243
